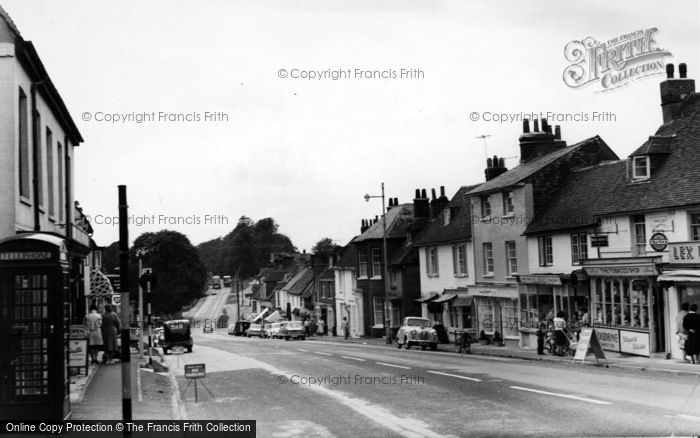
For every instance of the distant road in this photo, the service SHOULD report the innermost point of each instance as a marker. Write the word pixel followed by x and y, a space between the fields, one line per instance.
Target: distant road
pixel 210 307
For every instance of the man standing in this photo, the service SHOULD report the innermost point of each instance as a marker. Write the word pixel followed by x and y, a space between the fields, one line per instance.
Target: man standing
pixel 691 322
pixel 681 332
pixel 345 327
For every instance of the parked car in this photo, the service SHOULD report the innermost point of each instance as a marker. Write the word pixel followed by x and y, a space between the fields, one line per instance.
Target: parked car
pixel 176 333
pixel 239 328
pixel 254 330
pixel 208 326
pixel 292 330
pixel 417 331
pixel 157 336
pixel 273 330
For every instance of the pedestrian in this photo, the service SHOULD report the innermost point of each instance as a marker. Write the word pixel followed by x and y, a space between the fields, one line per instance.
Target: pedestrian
pixel 559 323
pixel 345 327
pixel 306 327
pixel 681 332
pixel 110 328
pixel 320 327
pixel 93 321
pixel 691 322
pixel 585 320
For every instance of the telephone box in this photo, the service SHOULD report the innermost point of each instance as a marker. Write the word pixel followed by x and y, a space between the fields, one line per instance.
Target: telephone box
pixel 34 320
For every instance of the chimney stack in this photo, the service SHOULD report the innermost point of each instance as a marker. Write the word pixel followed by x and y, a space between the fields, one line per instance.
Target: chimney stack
pixel 438 204
pixel 537 143
pixel 674 91
pixel 494 167
pixel 421 205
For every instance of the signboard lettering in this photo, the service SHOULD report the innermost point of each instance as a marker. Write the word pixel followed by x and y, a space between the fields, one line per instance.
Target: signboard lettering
pixel 609 339
pixel 588 342
pixel 599 240
pixel 195 371
pixel 25 255
pixel 658 241
pixel 552 280
pixel 684 253
pixel 634 343
pixel 77 353
pixel 621 271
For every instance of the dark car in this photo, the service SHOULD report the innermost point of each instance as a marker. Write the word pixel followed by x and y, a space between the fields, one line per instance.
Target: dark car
pixel 239 328
pixel 176 333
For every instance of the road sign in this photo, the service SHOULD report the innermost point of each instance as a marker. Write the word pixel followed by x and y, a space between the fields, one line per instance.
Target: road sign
pixel 146 278
pixel 658 241
pixel 588 342
pixel 195 371
pixel 599 240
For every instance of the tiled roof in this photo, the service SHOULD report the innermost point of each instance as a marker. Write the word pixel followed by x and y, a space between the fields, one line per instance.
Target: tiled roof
pixel 349 257
pixel 605 189
pixel 524 170
pixel 398 221
pixel 459 227
pixel 299 282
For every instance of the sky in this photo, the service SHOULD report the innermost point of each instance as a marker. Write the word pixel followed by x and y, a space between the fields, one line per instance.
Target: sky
pixel 211 110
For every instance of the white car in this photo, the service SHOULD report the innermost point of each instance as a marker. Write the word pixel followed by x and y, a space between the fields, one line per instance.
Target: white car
pixel 417 331
pixel 273 331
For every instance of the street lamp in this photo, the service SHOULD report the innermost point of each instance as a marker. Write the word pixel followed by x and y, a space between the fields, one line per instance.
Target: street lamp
pixel 387 329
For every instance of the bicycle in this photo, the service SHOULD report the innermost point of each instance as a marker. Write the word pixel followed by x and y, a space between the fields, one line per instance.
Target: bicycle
pixel 463 341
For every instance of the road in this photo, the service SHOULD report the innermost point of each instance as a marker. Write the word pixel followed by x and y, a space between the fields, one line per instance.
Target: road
pixel 209 307
pixel 325 389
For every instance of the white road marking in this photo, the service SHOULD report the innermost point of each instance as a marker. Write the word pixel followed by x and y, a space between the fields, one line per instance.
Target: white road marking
pixel 301 349
pixel 573 397
pixel 455 375
pixel 391 365
pixel 353 358
pixel 684 417
pixel 322 353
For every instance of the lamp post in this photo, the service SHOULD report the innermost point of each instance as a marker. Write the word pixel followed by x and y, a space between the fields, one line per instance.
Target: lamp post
pixel 387 329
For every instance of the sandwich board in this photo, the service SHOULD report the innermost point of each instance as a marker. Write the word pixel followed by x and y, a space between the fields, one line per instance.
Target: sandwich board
pixel 587 343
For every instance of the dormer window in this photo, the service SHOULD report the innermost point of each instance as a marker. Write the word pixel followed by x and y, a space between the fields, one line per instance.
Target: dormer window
pixel 640 168
pixel 446 215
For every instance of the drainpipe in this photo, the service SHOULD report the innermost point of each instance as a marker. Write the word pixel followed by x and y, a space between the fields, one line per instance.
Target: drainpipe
pixel 67 180
pixel 35 155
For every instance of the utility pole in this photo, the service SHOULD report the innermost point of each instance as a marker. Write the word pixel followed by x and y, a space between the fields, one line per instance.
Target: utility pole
pixel 126 310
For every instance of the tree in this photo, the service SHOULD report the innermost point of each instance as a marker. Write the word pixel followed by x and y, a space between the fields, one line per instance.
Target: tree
pixel 181 275
pixel 325 247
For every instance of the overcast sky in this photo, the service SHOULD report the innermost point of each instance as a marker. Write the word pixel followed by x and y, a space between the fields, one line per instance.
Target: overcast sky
pixel 306 151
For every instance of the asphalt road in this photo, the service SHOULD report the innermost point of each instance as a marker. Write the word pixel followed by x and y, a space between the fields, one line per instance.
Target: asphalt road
pixel 318 389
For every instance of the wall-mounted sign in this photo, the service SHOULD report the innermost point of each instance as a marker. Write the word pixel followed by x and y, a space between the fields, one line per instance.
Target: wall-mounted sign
pixel 25 255
pixel 620 271
pixel 684 253
pixel 658 241
pixel 634 343
pixel 599 240
pixel 552 280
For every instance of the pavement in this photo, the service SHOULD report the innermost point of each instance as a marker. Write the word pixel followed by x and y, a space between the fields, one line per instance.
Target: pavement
pixel 613 360
pixel 98 396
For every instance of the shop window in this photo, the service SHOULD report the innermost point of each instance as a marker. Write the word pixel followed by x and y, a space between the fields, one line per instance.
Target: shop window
pixel 510 317
pixel 362 271
pixel 466 314
pixel 695 226
pixel 486 313
pixel 511 258
pixel 488 258
pixel 454 316
pixel 622 302
pixel 544 245
pixel 640 235
pixel 579 248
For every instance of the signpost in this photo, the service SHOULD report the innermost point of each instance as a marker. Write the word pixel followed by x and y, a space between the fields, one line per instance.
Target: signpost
pixel 148 282
pixel 194 372
pixel 588 342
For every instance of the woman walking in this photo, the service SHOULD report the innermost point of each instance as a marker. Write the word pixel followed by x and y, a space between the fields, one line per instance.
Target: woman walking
pixel 110 328
pixel 93 321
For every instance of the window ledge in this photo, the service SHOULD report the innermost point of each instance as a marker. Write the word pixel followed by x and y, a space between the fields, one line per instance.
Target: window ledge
pixel 486 219
pixel 376 277
pixel 364 277
pixel 511 276
pixel 461 275
pixel 488 275
pixel 25 201
pixel 508 216
pixel 433 275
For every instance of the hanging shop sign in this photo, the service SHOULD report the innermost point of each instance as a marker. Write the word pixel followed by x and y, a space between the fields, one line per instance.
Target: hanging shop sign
pixel 658 242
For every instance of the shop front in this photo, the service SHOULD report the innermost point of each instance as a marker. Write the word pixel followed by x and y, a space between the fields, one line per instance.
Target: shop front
pixel 627 305
pixel 496 313
pixel 680 281
pixel 542 296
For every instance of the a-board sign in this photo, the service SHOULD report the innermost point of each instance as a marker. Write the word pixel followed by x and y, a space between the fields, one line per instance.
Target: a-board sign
pixel 195 371
pixel 77 353
pixel 588 342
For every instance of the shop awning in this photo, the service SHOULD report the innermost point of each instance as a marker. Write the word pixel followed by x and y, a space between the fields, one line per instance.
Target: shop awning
pixel 444 298
pixel 680 276
pixel 431 297
pixel 463 301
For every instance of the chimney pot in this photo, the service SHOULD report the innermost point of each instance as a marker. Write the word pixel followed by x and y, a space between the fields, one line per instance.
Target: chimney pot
pixel 442 191
pixel 396 202
pixel 424 194
pixel 557 132
pixel 489 163
pixel 501 163
pixel 669 71
pixel 433 193
pixel 536 125
pixel 682 70
pixel 526 126
pixel 417 193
